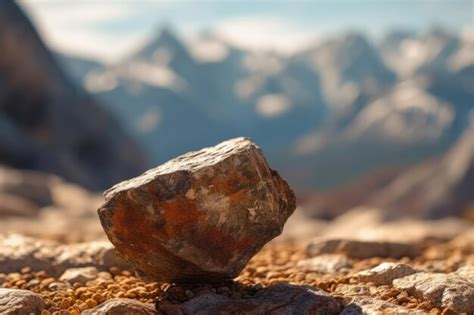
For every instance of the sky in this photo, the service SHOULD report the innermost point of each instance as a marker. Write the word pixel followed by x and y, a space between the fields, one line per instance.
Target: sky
pixel 107 30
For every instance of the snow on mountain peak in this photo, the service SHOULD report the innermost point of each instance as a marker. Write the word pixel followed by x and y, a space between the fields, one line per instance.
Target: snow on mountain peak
pixel 405 114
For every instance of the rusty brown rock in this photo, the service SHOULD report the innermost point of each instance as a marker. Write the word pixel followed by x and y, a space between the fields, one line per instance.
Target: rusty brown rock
pixel 198 217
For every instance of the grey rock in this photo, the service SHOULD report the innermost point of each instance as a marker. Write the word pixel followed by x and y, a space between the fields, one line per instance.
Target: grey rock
pixel 201 215
pixel 20 302
pixel 279 299
pixel 30 186
pixel 122 307
pixel 326 263
pixel 79 275
pixel 361 249
pixel 16 206
pixel 442 290
pixel 369 305
pixel 353 290
pixel 466 272
pixel 385 273
pixel 17 251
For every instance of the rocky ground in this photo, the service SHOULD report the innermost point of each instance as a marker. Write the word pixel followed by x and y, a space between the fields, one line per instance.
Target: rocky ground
pixel 56 259
pixel 427 269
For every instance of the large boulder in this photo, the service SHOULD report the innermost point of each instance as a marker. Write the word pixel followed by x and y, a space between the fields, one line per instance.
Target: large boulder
pixel 200 216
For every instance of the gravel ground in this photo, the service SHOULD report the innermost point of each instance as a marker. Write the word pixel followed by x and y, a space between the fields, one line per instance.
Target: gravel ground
pixel 277 263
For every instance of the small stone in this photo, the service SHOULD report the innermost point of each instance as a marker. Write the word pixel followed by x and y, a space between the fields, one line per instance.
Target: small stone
pixel 13 302
pixel 352 290
pixel 361 249
pixel 385 273
pixel 326 263
pixel 442 290
pixel 201 215
pixel 277 299
pixel 368 305
pixel 121 307
pixel 81 275
pixel 57 286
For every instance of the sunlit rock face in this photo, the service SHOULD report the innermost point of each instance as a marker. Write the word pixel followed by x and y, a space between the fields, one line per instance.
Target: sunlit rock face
pixel 198 217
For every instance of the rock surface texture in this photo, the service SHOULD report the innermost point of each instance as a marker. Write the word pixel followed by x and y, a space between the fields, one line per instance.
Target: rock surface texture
pixel 122 307
pixel 201 216
pixel 17 251
pixel 361 249
pixel 19 302
pixel 279 299
pixel 385 273
pixel 444 290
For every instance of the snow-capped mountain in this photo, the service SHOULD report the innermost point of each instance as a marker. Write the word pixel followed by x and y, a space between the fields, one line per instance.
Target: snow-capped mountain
pixel 324 115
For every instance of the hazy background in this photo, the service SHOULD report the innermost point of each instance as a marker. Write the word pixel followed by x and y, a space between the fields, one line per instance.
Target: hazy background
pixel 354 102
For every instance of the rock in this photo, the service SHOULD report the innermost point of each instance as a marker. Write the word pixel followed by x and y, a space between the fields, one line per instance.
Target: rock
pixel 369 305
pixel 370 224
pixel 385 273
pixel 66 212
pixel 278 299
pixel 361 249
pixel 19 302
pixel 16 206
pixel 17 251
pixel 200 216
pixel 352 289
pixel 442 290
pixel 30 186
pixel 326 263
pixel 122 307
pixel 466 272
pixel 80 275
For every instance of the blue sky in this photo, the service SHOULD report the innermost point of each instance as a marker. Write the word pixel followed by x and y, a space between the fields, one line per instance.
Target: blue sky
pixel 109 29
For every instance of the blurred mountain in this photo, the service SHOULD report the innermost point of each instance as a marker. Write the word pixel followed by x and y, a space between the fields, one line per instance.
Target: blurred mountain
pixel 77 67
pixel 340 109
pixel 47 121
pixel 438 187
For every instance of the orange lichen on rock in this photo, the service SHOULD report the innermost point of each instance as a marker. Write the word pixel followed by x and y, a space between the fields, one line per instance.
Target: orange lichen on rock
pixel 200 216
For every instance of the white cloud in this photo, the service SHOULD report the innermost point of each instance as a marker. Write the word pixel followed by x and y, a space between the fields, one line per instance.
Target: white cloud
pixel 72 27
pixel 273 105
pixel 263 32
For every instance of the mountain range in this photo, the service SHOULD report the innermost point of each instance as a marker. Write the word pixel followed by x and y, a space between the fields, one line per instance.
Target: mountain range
pixel 325 115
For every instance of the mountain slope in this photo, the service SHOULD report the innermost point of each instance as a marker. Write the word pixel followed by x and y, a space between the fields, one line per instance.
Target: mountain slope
pixel 49 123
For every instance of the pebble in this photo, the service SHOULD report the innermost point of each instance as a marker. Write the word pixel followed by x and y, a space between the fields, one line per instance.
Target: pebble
pixel 326 263
pixel 385 273
pixel 79 275
pixel 121 306
pixel 362 249
pixel 368 305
